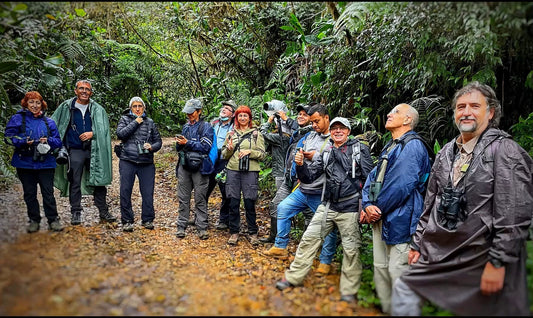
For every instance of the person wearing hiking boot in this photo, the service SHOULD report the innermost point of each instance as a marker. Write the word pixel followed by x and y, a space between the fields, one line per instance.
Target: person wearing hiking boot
pixel 140 139
pixel 193 168
pixel 468 255
pixel 84 128
pixel 222 125
pixel 308 193
pixel 244 148
pixel 289 173
pixel 277 132
pixel 35 138
pixel 393 200
pixel 346 166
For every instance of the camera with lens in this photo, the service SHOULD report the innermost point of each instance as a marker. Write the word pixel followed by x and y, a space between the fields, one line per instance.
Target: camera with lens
pixel 86 144
pixel 40 151
pixel 452 204
pixel 141 150
pixel 62 156
pixel 272 107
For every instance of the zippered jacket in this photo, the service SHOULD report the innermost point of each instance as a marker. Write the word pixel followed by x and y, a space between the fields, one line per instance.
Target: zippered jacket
pixel 35 129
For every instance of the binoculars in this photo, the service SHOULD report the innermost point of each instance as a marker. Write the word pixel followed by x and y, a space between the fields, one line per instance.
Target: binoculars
pixel 141 150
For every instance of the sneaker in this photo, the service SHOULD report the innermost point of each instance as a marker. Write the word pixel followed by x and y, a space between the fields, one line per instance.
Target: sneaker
pixel 148 225
pixel 283 284
pixel 55 226
pixel 222 226
pixel 107 217
pixel 277 252
pixel 128 227
pixel 76 218
pixel 323 269
pixel 180 233
pixel 233 239
pixel 348 298
pixel 33 227
pixel 254 240
pixel 203 235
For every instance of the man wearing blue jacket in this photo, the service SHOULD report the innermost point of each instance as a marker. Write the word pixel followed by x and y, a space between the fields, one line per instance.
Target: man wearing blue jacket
pixel 393 200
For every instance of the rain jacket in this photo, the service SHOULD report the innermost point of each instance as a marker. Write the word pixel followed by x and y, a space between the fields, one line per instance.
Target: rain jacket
pixel 132 133
pixel 252 141
pixel 498 190
pixel 400 199
pixel 101 170
pixel 35 129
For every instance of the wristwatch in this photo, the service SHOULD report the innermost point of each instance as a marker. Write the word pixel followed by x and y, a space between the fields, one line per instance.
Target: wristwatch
pixel 496 262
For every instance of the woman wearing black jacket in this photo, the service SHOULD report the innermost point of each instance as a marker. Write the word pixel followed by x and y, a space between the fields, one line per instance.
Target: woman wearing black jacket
pixel 140 139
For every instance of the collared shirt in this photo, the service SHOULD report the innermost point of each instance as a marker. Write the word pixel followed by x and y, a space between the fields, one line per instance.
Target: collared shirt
pixel 221 131
pixel 463 158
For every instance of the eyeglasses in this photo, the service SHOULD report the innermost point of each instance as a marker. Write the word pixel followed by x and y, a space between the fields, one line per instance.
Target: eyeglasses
pixel 137 106
pixel 338 128
pixel 84 89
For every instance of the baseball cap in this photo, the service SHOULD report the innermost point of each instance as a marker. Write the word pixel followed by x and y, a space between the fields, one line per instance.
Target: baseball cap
pixel 191 105
pixel 341 120
pixel 303 107
pixel 230 103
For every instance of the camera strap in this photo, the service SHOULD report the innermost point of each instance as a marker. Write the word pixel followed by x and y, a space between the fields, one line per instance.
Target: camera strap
pixel 23 125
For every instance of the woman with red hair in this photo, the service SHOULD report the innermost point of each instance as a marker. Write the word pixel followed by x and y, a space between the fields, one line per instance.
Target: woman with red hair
pixel 35 137
pixel 244 147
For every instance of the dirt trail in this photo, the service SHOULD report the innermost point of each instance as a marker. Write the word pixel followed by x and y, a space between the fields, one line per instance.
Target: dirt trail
pixel 96 269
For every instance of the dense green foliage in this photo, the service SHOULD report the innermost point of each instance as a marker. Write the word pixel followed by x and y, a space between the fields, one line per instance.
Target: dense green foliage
pixel 358 58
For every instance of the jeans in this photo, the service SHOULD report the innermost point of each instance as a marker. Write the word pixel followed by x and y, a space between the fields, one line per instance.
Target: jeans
pixel 295 203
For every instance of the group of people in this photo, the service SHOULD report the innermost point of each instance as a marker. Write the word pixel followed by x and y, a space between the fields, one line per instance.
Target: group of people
pixel 450 230
pixel 78 133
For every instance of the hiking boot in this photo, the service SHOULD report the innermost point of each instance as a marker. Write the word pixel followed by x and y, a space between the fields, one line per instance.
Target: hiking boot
pixel 203 235
pixel 75 218
pixel 128 227
pixel 233 239
pixel 254 240
pixel 107 217
pixel 180 233
pixel 348 298
pixel 271 238
pixel 277 252
pixel 283 284
pixel 221 226
pixel 33 227
pixel 323 269
pixel 148 225
pixel 55 226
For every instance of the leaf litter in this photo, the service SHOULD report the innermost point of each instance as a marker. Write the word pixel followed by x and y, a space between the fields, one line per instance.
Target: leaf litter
pixel 97 269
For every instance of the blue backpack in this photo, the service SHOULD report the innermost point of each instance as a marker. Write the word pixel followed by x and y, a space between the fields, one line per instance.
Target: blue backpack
pixel 213 152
